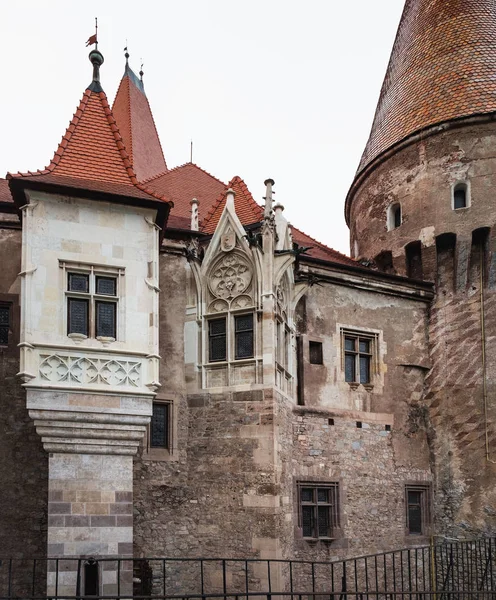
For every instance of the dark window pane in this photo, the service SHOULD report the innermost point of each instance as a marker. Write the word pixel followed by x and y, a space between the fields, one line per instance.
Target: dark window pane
pixel 307 520
pixel 306 494
pixel 243 326
pixel 414 518
pixel 217 343
pixel 79 282
pixel 105 319
pixel 324 522
pixel 244 344
pixel 397 216
pixel 159 437
pixel 316 355
pixel 364 369
pixel 460 198
pixel 77 317
pixel 4 324
pixel 364 346
pixel 217 326
pixel 349 367
pixel 322 495
pixel 106 286
pixel 349 343
pixel 244 323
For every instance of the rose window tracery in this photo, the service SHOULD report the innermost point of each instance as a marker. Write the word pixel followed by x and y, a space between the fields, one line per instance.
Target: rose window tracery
pixel 230 277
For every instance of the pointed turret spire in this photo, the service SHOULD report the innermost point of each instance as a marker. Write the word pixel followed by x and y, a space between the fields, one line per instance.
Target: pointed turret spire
pixel 442 67
pixel 136 125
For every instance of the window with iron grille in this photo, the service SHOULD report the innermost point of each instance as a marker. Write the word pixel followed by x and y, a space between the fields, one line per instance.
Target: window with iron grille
pixel 316 354
pixel 318 509
pixel 417 501
pixel 231 336
pixel 5 324
pixel 92 304
pixel 358 356
pixel 159 426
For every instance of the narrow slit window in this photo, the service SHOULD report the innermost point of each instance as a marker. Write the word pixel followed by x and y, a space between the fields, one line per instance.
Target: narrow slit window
pixel 394 219
pixel 5 324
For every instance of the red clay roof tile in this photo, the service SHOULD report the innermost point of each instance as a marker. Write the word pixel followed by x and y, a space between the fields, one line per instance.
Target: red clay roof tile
pixel 442 67
pixel 93 152
pixel 5 195
pixel 247 209
pixel 137 127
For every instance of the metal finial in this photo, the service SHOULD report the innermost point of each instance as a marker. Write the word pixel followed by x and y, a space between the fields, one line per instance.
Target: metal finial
pixel 126 54
pixel 141 71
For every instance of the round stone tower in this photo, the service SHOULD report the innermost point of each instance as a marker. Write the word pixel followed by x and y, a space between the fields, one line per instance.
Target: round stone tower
pixel 423 205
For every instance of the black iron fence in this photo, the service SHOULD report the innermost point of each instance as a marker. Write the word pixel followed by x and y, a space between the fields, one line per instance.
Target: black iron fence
pixel 449 571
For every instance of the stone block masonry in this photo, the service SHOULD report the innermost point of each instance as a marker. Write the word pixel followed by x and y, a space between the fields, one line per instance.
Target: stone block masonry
pixel 90 512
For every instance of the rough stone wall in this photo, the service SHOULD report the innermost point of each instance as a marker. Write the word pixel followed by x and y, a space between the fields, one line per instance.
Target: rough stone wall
pixel 461 414
pixel 24 469
pixel 420 177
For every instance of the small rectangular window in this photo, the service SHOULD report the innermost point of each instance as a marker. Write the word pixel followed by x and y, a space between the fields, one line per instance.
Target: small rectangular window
pixel 316 354
pixel 105 319
pixel 417 499
pixel 5 324
pixel 79 282
pixel 217 340
pixel 106 286
pixel 159 426
pixel 243 333
pixel 77 316
pixel 358 357
pixel 318 509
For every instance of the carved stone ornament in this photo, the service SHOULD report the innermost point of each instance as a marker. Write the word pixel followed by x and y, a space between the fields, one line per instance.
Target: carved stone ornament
pixel 83 371
pixel 228 240
pixel 282 295
pixel 230 277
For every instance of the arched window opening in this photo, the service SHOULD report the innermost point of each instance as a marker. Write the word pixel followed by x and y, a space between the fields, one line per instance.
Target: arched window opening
pixel 460 196
pixel 394 216
pixel 413 253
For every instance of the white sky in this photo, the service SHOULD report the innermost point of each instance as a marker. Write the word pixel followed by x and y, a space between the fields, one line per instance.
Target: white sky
pixel 274 88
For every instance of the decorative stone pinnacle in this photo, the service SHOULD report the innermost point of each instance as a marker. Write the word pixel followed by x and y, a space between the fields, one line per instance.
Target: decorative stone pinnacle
pixel 194 214
pixel 268 198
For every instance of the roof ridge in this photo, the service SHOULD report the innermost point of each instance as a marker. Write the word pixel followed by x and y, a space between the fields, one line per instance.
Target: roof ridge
pixel 180 167
pixel 321 243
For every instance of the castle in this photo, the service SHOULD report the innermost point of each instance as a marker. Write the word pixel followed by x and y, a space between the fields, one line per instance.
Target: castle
pixel 184 373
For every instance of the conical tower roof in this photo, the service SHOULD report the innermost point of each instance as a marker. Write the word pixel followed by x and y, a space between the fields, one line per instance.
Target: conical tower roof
pixel 442 67
pixel 134 117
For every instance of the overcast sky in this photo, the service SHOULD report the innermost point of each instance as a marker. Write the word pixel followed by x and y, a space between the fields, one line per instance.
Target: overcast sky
pixel 274 88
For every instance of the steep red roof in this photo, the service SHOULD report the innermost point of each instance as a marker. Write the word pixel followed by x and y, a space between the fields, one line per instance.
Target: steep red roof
pixel 247 209
pixel 181 185
pixel 442 67
pixel 136 125
pixel 319 250
pixel 5 195
pixel 92 155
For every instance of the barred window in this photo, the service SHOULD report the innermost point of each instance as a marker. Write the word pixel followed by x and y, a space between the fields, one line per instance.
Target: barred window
pixel 159 427
pixel 243 328
pixel 231 337
pixel 318 509
pixel 358 357
pixel 217 339
pixel 417 499
pixel 5 324
pixel 92 304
